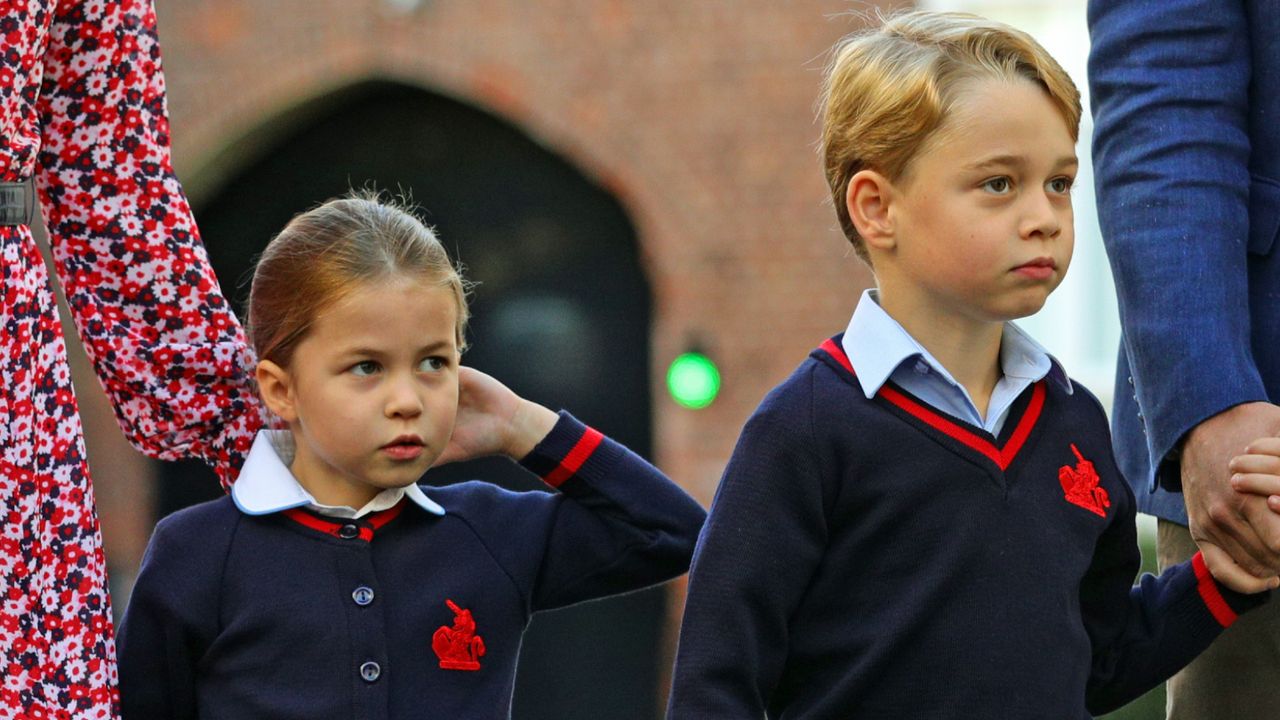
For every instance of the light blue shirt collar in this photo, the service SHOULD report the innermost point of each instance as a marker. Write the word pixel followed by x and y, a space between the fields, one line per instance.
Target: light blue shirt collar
pixel 877 345
pixel 265 484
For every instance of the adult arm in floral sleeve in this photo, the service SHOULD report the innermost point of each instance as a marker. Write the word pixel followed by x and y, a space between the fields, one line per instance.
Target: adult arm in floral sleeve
pixel 162 338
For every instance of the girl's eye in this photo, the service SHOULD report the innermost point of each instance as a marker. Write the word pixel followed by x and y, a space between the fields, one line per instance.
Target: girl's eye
pixel 1061 185
pixel 998 185
pixel 433 364
pixel 364 369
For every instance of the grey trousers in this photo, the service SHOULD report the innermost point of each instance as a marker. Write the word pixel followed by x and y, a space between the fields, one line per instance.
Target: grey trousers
pixel 1238 677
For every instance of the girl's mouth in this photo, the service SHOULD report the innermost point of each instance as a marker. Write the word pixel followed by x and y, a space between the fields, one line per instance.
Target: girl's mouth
pixel 405 447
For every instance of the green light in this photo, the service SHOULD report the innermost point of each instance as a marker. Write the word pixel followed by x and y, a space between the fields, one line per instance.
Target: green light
pixel 693 380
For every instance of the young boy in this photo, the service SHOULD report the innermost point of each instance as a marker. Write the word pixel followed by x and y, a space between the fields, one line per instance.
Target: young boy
pixel 925 520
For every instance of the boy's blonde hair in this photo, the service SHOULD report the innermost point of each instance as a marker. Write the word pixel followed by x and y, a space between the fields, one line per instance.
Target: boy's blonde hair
pixel 888 89
pixel 330 250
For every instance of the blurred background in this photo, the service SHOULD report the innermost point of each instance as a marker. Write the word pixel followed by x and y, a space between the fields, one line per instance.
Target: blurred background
pixel 629 182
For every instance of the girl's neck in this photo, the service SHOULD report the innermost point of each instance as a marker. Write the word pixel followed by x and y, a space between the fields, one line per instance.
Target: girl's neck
pixel 329 489
pixel 968 348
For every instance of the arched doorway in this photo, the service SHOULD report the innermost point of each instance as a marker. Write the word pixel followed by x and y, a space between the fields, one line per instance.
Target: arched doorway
pixel 561 315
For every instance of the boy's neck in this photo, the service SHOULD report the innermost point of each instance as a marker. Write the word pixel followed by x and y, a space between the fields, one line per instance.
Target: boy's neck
pixel 968 348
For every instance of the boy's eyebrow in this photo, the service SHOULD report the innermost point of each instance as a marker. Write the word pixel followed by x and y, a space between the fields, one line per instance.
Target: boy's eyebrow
pixel 1019 161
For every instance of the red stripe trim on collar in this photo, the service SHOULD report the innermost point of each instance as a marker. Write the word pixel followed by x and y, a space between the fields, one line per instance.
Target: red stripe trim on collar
pixel 831 348
pixel 572 462
pixel 941 424
pixel 334 528
pixel 1028 421
pixel 1002 457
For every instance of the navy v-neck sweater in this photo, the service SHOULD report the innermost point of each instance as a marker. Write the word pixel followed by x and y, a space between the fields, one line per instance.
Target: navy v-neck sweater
pixel 399 614
pixel 876 559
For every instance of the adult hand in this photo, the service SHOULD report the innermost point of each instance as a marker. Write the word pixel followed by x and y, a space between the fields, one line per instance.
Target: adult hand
pixel 1228 525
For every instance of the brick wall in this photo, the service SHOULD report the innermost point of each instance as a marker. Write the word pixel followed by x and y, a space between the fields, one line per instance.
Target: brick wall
pixel 698 114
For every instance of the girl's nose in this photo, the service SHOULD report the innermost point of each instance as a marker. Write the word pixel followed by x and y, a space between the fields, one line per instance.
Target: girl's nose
pixel 403 399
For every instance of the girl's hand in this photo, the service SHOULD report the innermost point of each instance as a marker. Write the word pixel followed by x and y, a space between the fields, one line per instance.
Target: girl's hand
pixel 1227 572
pixel 492 420
pixel 1257 471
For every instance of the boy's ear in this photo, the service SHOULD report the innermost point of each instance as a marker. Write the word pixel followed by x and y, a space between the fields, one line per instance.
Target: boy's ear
pixel 868 199
pixel 276 388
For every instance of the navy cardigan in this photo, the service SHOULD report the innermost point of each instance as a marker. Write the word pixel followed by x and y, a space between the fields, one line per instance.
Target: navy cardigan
pixel 874 558
pixel 400 614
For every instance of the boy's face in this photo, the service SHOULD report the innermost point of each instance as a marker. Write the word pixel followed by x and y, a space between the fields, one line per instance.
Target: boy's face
pixel 373 390
pixel 983 219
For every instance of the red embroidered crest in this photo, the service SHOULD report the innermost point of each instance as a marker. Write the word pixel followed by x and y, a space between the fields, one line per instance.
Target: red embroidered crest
pixel 458 647
pixel 1080 485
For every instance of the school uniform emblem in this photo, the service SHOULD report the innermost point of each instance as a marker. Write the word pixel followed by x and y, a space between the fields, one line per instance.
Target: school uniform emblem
pixel 1080 485
pixel 458 647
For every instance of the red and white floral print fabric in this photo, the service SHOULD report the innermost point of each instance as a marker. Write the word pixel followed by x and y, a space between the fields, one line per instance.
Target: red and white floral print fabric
pixel 83 112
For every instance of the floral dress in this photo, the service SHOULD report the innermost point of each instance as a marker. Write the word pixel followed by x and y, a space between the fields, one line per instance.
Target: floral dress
pixel 83 113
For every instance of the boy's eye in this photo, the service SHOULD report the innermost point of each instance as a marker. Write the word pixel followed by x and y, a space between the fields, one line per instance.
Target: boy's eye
pixel 364 369
pixel 1060 185
pixel 998 185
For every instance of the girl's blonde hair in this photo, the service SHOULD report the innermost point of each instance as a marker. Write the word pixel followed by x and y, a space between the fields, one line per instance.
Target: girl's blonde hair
pixel 329 251
pixel 888 89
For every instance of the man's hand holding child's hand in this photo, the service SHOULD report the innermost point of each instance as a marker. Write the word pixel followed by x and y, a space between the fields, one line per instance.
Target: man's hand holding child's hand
pixel 1255 472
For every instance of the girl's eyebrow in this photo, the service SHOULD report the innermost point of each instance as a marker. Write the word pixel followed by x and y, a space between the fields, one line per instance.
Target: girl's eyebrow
pixel 362 350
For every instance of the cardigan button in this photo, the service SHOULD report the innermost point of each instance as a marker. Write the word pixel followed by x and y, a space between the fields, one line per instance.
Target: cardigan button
pixel 370 671
pixel 363 595
pixel 349 532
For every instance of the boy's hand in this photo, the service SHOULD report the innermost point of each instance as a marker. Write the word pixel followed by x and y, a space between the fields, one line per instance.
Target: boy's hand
pixel 492 420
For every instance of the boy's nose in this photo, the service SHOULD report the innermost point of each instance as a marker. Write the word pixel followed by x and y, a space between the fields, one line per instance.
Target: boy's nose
pixel 1042 218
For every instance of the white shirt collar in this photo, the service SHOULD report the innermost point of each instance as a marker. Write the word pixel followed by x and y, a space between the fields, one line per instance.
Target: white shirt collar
pixel 265 486
pixel 876 345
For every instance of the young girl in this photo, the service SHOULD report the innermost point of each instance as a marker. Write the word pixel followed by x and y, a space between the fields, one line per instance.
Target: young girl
pixel 329 584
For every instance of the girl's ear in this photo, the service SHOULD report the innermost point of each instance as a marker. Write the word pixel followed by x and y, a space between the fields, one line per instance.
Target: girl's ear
pixel 276 388
pixel 868 199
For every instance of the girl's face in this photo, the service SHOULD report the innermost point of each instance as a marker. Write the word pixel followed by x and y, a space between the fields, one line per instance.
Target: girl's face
pixel 372 390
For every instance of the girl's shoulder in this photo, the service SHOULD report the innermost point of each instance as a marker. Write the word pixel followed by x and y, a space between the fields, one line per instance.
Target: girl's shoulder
pixel 475 499
pixel 200 522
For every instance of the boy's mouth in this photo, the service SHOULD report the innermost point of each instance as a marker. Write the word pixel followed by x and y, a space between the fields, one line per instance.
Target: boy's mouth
pixel 1041 268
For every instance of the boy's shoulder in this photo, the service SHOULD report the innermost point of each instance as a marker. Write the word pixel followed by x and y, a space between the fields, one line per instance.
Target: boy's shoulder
pixel 824 366
pixel 823 379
